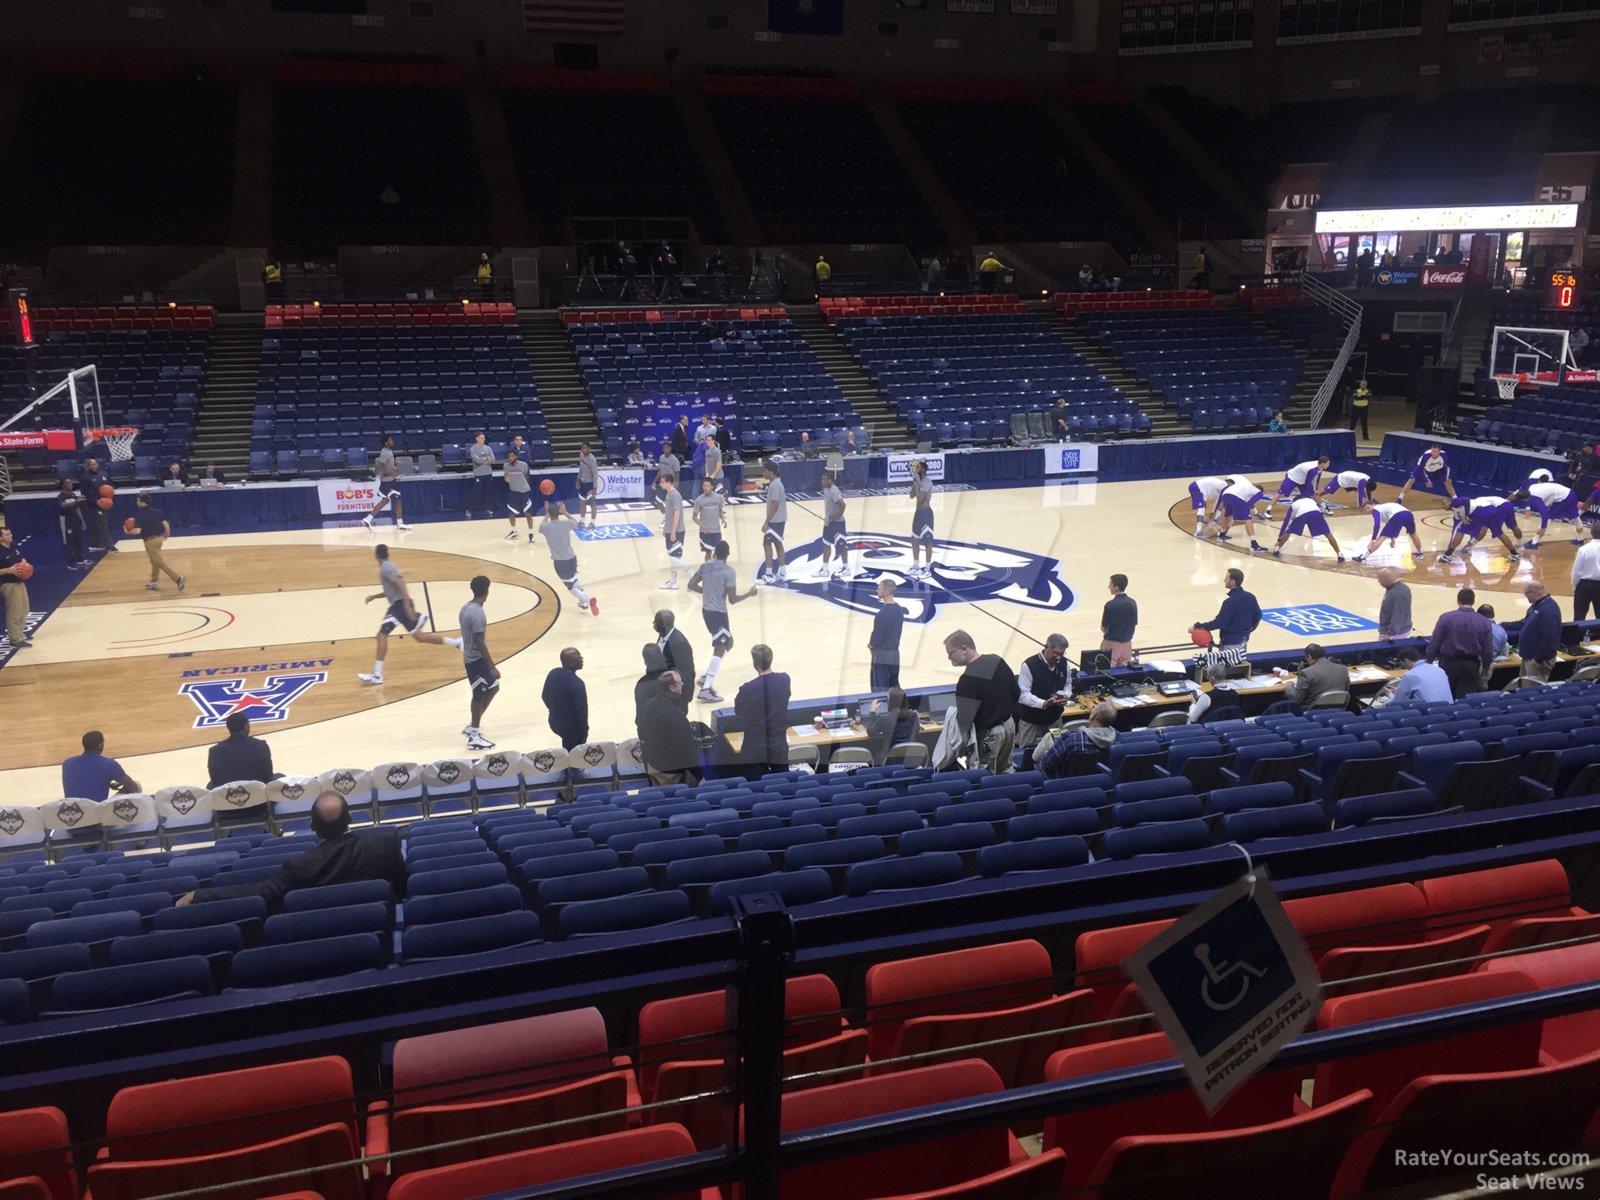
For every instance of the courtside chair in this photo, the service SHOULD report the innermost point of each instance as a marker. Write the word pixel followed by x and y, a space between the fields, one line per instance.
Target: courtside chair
pixel 592 767
pixel 544 775
pixel 130 820
pixel 354 784
pixel 187 815
pixel 398 794
pixel 70 824
pixel 449 788
pixel 630 763
pixel 239 807
pixel 289 800
pixel 22 832
pixel 497 781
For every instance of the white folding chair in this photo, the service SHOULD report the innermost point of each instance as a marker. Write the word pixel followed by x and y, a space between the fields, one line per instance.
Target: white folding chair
pixel 22 831
pixel 1523 681
pixel 289 801
pixel 849 758
pixel 593 766
pixel 497 777
pixel 187 815
pixel 1177 716
pixel 240 807
pixel 70 824
pixel 630 763
pixel 354 784
pixel 544 775
pixel 908 754
pixel 1331 700
pixel 447 787
pixel 397 792
pixel 130 819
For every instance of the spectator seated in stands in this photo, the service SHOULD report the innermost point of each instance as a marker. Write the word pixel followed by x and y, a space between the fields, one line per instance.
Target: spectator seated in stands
pixel 1423 682
pixel 1319 677
pixel 1055 752
pixel 339 856
pixel 1221 703
pixel 897 721
pixel 93 776
pixel 671 753
pixel 240 756
pixel 1497 631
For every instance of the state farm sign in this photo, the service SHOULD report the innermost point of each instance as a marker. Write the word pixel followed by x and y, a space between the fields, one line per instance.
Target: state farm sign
pixel 1444 276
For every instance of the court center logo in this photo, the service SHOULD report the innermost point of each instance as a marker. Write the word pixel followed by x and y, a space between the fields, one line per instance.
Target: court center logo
pixel 219 699
pixel 963 573
pixel 1309 619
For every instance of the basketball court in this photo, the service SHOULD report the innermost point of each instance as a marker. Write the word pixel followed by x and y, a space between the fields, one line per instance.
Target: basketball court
pixel 276 625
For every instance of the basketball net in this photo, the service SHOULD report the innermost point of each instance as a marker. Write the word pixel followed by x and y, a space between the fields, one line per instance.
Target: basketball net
pixel 118 439
pixel 1507 385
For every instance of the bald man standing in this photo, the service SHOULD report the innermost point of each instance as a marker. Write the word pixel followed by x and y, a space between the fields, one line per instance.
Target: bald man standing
pixel 1394 614
pixel 339 856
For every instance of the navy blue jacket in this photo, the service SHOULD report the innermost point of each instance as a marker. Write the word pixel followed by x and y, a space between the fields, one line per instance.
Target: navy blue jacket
pixel 567 699
pixel 1541 630
pixel 1237 619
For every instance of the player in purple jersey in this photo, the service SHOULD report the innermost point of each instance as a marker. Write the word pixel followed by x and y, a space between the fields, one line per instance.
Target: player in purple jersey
pixel 1432 472
pixel 1479 517
pixel 1238 503
pixel 1553 502
pixel 1305 519
pixel 1351 481
pixel 1301 479
pixel 1389 521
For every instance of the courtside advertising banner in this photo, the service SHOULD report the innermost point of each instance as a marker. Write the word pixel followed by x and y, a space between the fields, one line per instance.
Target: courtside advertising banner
pixel 338 496
pixel 625 483
pixel 900 467
pixel 1071 458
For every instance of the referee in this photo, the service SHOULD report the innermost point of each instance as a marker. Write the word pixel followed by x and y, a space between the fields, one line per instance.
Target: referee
pixel 1586 577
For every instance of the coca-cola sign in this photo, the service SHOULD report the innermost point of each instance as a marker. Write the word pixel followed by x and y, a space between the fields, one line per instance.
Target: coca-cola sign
pixel 1444 276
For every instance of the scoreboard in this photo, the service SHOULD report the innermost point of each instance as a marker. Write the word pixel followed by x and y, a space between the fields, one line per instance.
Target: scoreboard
pixel 1561 291
pixel 21 317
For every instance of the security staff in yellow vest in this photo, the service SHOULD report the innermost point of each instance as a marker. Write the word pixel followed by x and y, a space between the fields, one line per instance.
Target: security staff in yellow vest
pixel 485 275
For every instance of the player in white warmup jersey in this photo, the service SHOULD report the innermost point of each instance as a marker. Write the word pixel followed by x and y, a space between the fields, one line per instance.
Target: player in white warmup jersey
pixel 1205 495
pixel 1305 519
pixel 402 618
pixel 1553 502
pixel 1389 521
pixel 557 529
pixel 1238 503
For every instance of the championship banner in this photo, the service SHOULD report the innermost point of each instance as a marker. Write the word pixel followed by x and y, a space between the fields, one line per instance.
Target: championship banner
pixel 1071 458
pixel 337 496
pixel 620 483
pixel 900 466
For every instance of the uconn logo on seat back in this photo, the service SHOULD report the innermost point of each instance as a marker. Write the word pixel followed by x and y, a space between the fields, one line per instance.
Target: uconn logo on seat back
pixel 963 573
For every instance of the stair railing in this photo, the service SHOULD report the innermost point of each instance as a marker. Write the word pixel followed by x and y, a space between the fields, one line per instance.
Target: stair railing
pixel 1348 313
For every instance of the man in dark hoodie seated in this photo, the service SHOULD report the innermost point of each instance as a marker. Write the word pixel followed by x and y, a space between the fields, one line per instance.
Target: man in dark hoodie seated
pixel 339 856
pixel 1054 753
pixel 671 753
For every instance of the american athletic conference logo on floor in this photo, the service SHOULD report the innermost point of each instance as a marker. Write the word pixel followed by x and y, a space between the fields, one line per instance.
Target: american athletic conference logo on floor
pixel 963 573
pixel 219 699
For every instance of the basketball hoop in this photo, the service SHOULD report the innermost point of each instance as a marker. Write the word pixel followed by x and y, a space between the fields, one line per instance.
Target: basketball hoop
pixel 1506 385
pixel 118 440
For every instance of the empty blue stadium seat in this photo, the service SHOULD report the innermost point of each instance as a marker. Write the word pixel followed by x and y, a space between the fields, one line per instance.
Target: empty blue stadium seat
pixel 136 983
pixel 297 962
pixel 204 940
pixel 1038 854
pixel 1290 820
pixel 623 913
pixel 327 922
pixel 1162 838
pixel 793 887
pixel 924 870
pixel 446 939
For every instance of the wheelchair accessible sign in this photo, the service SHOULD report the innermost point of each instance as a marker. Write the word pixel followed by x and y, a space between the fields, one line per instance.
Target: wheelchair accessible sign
pixel 1230 983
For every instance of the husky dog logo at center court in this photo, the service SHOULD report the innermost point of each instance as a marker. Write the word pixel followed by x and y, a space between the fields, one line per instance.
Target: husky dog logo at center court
pixel 963 573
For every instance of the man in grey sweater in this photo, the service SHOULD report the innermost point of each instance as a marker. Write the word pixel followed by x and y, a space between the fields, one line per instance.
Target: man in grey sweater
pixel 482 459
pixel 1394 614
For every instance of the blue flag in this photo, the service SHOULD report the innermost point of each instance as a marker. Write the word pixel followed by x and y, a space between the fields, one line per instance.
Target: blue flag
pixel 823 18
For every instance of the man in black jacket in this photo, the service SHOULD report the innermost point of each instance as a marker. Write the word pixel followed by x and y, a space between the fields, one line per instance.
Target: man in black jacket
pixel 671 753
pixel 240 756
pixel 338 857
pixel 680 655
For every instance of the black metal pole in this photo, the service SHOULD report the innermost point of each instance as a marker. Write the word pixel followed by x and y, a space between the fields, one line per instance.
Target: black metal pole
pixel 755 1062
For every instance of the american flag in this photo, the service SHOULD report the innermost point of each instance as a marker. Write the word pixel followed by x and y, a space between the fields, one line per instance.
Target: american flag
pixel 587 18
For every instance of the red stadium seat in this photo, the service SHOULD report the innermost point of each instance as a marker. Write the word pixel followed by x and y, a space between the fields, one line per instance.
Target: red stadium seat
pixel 1499 896
pixel 324 1161
pixel 920 1166
pixel 1348 968
pixel 1379 916
pixel 35 1145
pixel 1039 1176
pixel 1576 1034
pixel 1387 1072
pixel 1536 1111
pixel 1529 933
pixel 1251 1163
pixel 1087 1134
pixel 1099 954
pixel 569 1160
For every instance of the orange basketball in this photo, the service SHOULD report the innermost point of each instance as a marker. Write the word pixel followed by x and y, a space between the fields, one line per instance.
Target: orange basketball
pixel 547 488
pixel 107 491
pixel 23 569
pixel 1200 637
pixel 129 525
pixel 105 503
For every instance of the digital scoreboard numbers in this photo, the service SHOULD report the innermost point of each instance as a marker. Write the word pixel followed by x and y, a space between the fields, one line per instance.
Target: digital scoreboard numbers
pixel 21 317
pixel 1561 291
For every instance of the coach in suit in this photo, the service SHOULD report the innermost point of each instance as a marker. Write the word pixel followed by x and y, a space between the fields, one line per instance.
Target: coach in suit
pixel 339 856
pixel 679 654
pixel 240 756
pixel 1317 678
pixel 671 754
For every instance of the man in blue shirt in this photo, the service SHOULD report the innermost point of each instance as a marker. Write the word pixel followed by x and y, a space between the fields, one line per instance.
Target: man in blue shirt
pixel 566 699
pixel 1238 617
pixel 91 775
pixel 1540 640
pixel 1424 682
pixel 884 644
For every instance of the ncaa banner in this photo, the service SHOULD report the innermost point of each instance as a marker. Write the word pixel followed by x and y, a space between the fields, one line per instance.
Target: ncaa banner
pixel 1071 458
pixel 900 466
pixel 336 496
pixel 625 483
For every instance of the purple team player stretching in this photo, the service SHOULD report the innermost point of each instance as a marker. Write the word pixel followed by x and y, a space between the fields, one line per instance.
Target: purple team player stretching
pixel 1204 497
pixel 1351 481
pixel 1479 517
pixel 1301 479
pixel 1389 521
pixel 1305 519
pixel 1553 502
pixel 1432 472
pixel 1238 503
